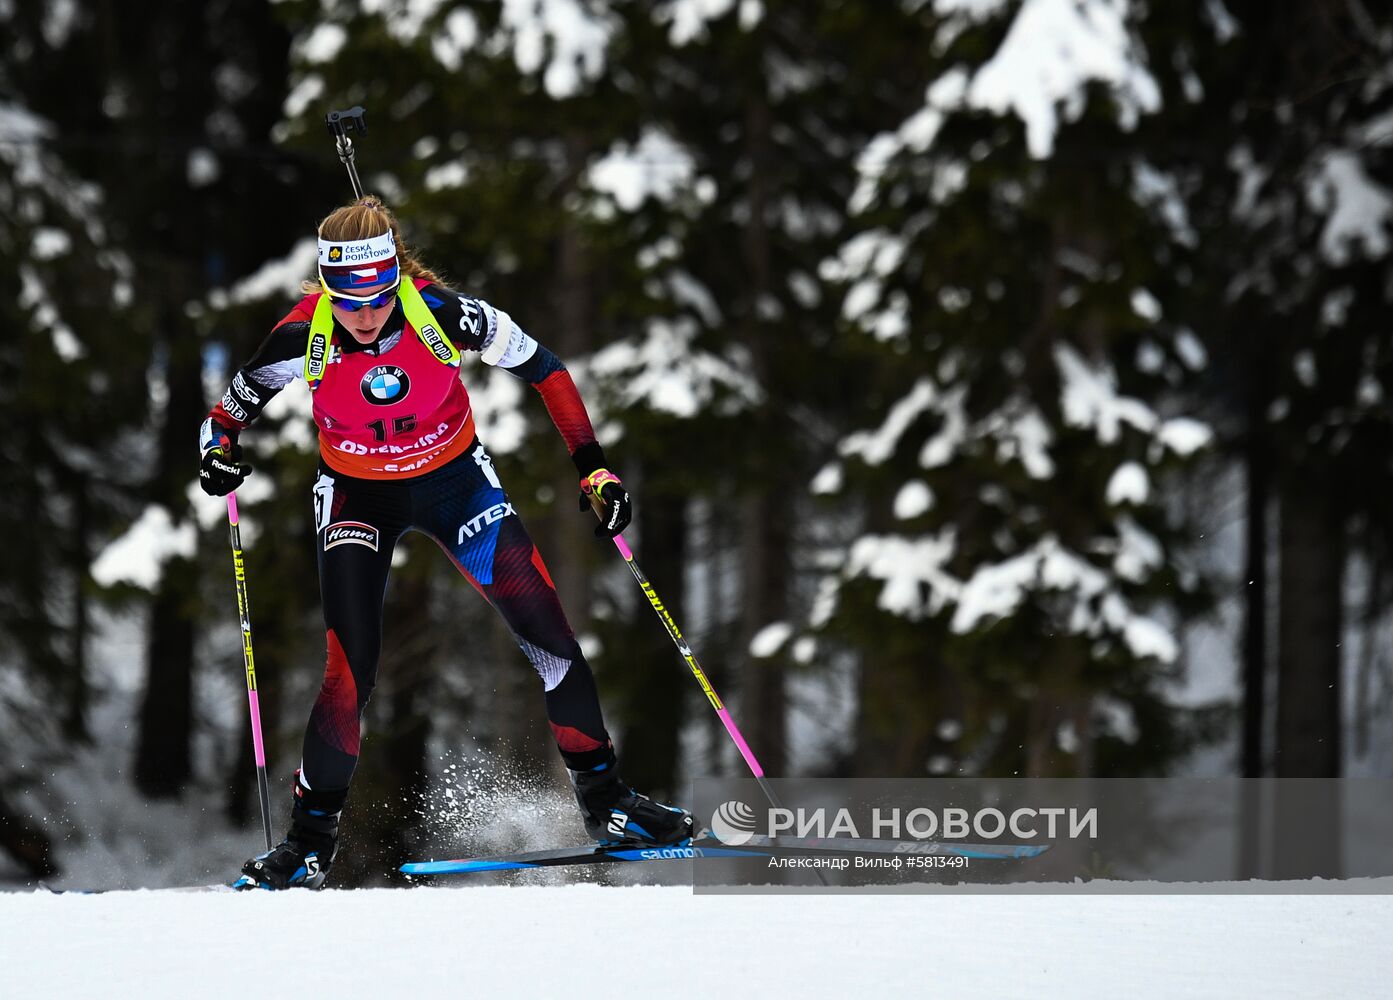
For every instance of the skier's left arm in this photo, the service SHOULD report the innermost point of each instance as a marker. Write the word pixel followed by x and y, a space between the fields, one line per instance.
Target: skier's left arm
pixel 504 344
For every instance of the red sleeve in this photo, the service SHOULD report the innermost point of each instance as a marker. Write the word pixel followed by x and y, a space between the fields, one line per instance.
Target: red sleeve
pixel 567 410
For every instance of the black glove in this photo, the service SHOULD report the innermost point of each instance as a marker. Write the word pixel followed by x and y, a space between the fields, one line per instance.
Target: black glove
pixel 615 508
pixel 221 470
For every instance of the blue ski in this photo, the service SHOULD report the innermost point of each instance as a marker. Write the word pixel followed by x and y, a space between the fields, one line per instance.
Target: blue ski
pixel 708 846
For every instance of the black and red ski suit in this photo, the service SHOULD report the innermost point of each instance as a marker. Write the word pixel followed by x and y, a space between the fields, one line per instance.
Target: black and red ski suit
pixel 398 451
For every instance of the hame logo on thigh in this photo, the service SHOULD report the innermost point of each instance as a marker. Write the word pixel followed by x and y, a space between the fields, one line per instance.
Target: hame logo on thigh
pixel 350 533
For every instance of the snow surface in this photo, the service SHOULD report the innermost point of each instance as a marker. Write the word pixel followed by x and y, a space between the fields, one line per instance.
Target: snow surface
pixel 501 941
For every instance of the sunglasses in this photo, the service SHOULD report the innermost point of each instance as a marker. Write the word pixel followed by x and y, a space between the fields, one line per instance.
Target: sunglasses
pixel 355 302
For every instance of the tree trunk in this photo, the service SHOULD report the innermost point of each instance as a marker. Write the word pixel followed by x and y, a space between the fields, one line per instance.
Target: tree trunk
pixel 766 552
pixel 162 763
pixel 1308 663
pixel 767 513
pixel 78 693
pixel 1258 464
pixel 655 692
pixel 1308 743
pixel 569 546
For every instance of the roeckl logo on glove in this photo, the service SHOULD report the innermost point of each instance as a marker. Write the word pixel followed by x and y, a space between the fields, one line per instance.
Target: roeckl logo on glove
pixel 614 511
pixel 221 466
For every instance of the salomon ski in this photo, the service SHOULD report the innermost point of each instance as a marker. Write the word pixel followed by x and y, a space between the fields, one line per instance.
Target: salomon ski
pixel 708 846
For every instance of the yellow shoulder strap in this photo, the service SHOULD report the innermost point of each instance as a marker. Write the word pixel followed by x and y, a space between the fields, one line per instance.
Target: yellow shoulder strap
pixel 418 314
pixel 317 350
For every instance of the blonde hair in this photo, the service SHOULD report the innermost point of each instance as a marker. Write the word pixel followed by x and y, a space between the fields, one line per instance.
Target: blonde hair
pixel 365 218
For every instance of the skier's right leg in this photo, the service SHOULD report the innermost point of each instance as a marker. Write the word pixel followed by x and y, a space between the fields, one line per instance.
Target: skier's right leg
pixel 358 522
pixel 498 557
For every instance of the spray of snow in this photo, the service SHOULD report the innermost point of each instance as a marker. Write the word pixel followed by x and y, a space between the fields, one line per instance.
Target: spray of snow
pixel 482 802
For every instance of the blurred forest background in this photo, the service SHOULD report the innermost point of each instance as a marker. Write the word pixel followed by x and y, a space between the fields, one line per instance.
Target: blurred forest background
pixel 1003 386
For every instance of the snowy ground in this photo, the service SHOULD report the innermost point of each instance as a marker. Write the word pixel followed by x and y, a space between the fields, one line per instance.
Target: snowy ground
pixel 501 941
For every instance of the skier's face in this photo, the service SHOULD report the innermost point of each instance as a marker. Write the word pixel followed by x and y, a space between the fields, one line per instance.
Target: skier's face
pixel 365 323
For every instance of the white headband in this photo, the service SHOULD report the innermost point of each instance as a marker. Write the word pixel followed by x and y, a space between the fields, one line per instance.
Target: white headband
pixel 336 253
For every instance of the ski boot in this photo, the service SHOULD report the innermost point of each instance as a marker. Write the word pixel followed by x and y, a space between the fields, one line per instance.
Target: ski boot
pixel 303 859
pixel 614 813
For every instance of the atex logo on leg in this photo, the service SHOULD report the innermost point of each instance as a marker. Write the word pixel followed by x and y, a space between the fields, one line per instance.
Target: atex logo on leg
pixel 478 522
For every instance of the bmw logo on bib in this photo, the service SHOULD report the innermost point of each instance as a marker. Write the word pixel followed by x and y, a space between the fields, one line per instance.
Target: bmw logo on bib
pixel 384 385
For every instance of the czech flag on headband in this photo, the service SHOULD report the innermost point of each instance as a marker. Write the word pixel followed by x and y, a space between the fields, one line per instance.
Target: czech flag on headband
pixel 350 264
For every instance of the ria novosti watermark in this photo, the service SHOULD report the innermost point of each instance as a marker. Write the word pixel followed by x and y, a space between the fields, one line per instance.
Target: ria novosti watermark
pixel 734 822
pixel 1170 834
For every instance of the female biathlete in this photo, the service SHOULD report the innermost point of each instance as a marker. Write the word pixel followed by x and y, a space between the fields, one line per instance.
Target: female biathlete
pixel 378 339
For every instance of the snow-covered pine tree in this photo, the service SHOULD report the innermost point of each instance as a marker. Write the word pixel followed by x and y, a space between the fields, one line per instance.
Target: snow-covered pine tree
pixel 764 106
pixel 1019 580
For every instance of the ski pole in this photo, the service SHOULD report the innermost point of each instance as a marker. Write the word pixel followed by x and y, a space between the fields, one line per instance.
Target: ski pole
pixel 244 612
pixel 340 124
pixel 685 649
